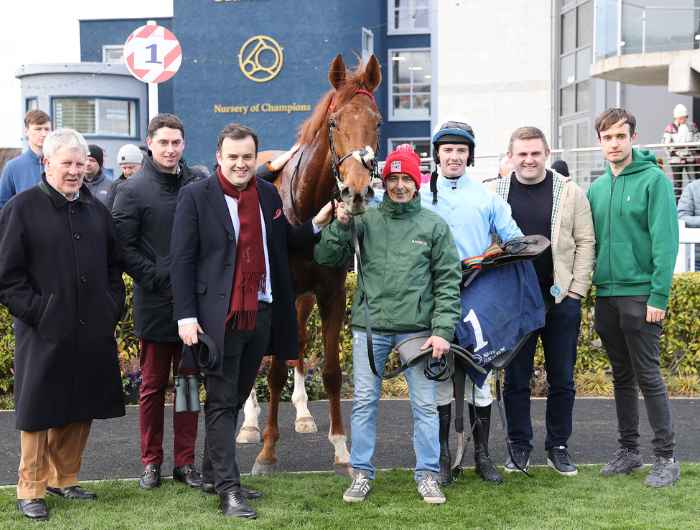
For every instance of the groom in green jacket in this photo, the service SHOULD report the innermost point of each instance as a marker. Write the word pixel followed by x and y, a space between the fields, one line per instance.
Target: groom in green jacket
pixel 411 274
pixel 636 230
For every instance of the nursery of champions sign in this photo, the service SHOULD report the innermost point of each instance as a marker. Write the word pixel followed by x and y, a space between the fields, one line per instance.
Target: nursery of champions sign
pixel 152 54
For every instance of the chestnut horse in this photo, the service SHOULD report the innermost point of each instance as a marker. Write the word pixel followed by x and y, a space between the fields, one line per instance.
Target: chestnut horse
pixel 336 159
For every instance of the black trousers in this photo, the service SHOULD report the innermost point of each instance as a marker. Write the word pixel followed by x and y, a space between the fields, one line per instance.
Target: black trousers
pixel 632 345
pixel 226 395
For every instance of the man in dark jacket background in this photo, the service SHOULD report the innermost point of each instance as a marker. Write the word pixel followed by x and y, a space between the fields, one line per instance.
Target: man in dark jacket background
pixel 143 212
pixel 95 179
pixel 60 277
pixel 232 280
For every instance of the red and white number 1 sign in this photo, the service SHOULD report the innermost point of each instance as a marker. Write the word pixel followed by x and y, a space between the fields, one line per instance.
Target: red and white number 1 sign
pixel 152 54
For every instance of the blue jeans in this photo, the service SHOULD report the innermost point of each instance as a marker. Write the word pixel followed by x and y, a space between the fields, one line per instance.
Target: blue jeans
pixel 421 391
pixel 559 339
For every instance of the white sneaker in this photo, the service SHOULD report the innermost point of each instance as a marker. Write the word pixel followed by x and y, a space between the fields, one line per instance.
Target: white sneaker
pixel 359 489
pixel 429 489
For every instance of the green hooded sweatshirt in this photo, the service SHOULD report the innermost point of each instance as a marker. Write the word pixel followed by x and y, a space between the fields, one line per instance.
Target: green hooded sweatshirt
pixel 410 267
pixel 636 231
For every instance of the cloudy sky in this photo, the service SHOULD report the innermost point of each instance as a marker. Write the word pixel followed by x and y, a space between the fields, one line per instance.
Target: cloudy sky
pixel 46 31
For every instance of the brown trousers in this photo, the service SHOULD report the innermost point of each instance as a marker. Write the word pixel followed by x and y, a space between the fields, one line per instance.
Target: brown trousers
pixel 50 458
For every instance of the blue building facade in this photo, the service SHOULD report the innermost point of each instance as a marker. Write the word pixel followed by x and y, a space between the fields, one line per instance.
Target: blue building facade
pixel 285 47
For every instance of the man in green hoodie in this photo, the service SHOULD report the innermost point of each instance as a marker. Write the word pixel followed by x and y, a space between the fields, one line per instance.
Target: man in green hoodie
pixel 636 232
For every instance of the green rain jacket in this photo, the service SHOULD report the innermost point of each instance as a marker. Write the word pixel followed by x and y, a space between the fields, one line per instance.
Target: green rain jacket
pixel 636 231
pixel 410 266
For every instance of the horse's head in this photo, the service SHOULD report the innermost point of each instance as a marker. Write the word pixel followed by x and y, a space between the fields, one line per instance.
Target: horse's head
pixel 353 122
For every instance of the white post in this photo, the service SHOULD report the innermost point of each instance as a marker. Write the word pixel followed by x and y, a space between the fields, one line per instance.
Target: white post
pixel 152 91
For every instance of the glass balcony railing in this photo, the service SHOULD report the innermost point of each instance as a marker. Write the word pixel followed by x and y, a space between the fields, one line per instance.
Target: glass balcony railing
pixel 645 26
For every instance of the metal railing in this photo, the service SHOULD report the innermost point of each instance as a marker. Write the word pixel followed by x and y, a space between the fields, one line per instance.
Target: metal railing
pixel 624 27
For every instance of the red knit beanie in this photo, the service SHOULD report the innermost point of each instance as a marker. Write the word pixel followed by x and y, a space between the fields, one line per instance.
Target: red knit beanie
pixel 403 160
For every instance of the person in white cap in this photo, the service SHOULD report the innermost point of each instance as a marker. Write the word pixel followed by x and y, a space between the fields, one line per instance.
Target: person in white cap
pixel 682 131
pixel 130 160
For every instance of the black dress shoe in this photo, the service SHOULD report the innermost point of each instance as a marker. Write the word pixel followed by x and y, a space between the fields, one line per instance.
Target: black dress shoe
pixel 151 477
pixel 34 509
pixel 247 493
pixel 72 492
pixel 187 474
pixel 233 504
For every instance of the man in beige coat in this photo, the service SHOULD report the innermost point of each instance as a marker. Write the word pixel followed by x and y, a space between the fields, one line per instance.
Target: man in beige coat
pixel 545 202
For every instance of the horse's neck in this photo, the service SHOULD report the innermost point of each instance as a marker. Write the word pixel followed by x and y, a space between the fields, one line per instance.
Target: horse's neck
pixel 314 183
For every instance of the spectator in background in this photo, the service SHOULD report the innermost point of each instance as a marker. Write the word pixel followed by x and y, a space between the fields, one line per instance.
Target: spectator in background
pixel 130 160
pixel 681 131
pixel 561 167
pixel 95 179
pixel 200 171
pixel 689 211
pixel 24 171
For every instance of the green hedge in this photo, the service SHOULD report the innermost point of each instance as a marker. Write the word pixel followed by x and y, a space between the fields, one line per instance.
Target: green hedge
pixel 680 349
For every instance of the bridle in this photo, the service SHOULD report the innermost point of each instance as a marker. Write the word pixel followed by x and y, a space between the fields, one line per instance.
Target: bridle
pixel 365 155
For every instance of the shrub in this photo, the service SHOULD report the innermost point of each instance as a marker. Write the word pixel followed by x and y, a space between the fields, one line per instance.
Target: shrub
pixel 680 349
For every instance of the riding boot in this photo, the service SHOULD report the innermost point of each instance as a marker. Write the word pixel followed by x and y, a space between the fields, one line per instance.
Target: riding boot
pixel 483 465
pixel 445 416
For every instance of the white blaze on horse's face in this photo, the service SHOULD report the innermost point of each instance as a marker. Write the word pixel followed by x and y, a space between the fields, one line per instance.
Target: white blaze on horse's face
pixel 236 158
pixel 356 133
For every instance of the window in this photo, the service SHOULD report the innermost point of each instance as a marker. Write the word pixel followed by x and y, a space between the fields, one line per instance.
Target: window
pixel 96 116
pixel 31 104
pixel 113 54
pixel 409 84
pixel 367 44
pixel 408 16
pixel 421 146
pixel 575 59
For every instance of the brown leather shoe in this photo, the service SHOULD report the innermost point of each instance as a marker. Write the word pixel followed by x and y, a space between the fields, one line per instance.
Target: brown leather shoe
pixel 34 509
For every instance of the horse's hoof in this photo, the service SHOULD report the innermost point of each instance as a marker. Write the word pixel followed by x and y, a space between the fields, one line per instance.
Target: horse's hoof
pixel 305 425
pixel 248 435
pixel 343 469
pixel 260 468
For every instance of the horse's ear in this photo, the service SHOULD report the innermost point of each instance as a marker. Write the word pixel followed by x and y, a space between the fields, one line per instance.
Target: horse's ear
pixel 373 74
pixel 337 72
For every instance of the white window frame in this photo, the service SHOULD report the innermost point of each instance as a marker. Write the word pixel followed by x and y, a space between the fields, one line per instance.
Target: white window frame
pixel 133 112
pixel 393 141
pixel 367 34
pixel 109 47
pixel 390 86
pixel 391 30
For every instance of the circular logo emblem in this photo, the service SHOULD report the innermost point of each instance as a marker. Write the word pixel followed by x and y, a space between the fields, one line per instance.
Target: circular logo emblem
pixel 260 58
pixel 152 54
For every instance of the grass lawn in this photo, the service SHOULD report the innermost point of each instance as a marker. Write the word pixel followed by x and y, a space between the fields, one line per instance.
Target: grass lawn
pixel 315 501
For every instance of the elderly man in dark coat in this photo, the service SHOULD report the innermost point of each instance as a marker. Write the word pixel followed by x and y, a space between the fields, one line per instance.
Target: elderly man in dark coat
pixel 60 277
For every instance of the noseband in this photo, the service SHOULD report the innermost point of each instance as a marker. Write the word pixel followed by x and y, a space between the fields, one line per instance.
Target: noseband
pixel 364 155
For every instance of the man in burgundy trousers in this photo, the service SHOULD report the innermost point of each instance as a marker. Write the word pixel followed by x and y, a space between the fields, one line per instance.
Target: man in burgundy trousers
pixel 143 212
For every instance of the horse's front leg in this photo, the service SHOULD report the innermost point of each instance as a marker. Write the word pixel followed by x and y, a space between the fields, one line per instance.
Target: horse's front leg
pixel 332 308
pixel 304 422
pixel 266 461
pixel 250 430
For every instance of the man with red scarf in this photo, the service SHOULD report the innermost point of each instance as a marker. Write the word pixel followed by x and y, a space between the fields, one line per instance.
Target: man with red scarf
pixel 231 280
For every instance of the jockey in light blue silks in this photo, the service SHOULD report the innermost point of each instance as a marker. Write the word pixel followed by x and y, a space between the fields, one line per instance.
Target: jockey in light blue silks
pixel 473 214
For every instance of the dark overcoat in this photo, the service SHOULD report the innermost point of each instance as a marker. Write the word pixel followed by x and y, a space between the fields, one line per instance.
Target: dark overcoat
pixel 143 213
pixel 204 253
pixel 60 277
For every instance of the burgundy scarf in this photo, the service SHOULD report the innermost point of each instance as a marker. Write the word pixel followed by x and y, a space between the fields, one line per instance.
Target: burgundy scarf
pixel 249 273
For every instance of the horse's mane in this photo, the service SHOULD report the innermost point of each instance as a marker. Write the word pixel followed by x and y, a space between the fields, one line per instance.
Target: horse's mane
pixel 354 81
